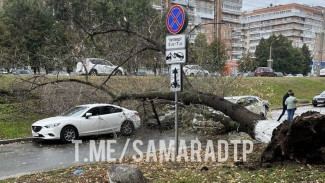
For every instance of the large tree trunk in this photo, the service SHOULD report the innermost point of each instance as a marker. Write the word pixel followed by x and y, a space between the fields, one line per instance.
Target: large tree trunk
pixel 244 117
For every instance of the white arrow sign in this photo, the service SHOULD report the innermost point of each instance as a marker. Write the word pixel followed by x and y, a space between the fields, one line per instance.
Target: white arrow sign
pixel 176 78
pixel 175 56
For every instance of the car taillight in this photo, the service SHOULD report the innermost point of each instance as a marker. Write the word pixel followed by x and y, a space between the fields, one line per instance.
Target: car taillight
pixel 185 69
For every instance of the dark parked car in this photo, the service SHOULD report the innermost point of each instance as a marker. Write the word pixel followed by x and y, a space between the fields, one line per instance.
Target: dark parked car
pixel 264 71
pixel 319 99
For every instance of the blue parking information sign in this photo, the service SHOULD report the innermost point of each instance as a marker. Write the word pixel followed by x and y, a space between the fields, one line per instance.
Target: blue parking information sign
pixel 177 19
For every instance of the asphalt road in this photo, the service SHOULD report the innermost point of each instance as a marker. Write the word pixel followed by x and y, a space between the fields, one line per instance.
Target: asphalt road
pixel 29 157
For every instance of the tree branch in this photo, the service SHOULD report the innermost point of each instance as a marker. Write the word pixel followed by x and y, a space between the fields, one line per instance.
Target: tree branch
pixel 38 85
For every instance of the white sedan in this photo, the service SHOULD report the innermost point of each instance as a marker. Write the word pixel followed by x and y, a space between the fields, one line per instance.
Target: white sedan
pixel 84 120
pixel 252 103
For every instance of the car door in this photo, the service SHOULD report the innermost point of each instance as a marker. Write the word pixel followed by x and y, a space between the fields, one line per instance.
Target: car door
pixel 110 67
pixel 92 124
pixel 99 66
pixel 200 71
pixel 111 118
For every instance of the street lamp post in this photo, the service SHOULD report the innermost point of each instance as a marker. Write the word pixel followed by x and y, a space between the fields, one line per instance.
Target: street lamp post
pixel 270 61
pixel 321 45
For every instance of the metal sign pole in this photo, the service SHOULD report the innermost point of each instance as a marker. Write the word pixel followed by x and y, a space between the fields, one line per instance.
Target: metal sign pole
pixel 176 54
pixel 176 124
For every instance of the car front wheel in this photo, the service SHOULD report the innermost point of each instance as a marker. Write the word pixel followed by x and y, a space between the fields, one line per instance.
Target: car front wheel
pixel 118 73
pixel 68 134
pixel 93 73
pixel 127 128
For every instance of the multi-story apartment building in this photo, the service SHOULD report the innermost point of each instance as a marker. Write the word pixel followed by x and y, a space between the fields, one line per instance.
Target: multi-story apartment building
pixel 298 23
pixel 231 11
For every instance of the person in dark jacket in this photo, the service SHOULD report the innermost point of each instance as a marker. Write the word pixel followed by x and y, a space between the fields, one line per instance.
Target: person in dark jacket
pixel 284 107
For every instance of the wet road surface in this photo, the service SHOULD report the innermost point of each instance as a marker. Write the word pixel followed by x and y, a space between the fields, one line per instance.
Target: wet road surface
pixel 24 158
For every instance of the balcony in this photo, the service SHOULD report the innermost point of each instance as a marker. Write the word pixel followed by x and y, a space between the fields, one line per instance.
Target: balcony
pixel 224 10
pixel 237 45
pixel 236 52
pixel 276 16
pixel 308 35
pixel 206 15
pixel 185 3
pixel 230 20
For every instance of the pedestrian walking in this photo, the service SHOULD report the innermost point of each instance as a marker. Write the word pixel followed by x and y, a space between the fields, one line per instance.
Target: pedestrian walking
pixel 284 107
pixel 291 105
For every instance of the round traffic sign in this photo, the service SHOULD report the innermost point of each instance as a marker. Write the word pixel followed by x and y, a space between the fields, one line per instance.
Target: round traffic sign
pixel 177 19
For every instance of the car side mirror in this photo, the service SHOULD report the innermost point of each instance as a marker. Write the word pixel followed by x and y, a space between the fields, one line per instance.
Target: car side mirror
pixel 88 115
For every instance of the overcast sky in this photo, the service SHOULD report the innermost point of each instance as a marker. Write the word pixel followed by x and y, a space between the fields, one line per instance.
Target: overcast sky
pixel 258 4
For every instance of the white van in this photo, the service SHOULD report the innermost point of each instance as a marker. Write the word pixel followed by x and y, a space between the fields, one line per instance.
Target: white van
pixel 97 66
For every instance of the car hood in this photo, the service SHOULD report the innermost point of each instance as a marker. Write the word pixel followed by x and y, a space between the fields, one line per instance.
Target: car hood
pixel 120 68
pixel 320 96
pixel 47 121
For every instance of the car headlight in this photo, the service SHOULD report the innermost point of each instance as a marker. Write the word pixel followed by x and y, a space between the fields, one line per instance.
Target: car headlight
pixel 52 125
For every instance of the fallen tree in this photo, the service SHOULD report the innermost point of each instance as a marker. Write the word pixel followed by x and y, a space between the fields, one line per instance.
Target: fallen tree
pixel 302 140
pixel 244 117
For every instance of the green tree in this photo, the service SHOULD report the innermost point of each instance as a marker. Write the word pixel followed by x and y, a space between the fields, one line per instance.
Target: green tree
pixel 283 54
pixel 247 63
pixel 297 62
pixel 261 52
pixel 307 59
pixel 216 56
pixel 34 37
pixel 111 28
pixel 200 48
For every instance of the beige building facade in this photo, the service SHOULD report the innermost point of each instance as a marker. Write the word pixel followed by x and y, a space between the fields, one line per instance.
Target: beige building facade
pixel 298 23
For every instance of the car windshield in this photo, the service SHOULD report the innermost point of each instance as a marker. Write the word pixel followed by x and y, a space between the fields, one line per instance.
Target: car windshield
pixel 76 111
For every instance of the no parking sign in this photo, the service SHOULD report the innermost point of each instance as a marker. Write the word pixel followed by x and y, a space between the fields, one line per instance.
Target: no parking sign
pixel 177 19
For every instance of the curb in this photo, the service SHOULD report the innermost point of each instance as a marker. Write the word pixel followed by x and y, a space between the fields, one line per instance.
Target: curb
pixel 298 105
pixel 8 141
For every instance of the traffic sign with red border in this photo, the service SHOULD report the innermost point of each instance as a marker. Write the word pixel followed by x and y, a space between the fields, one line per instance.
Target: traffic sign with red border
pixel 177 19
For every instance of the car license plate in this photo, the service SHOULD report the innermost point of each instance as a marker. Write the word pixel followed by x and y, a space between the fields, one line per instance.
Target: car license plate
pixel 320 101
